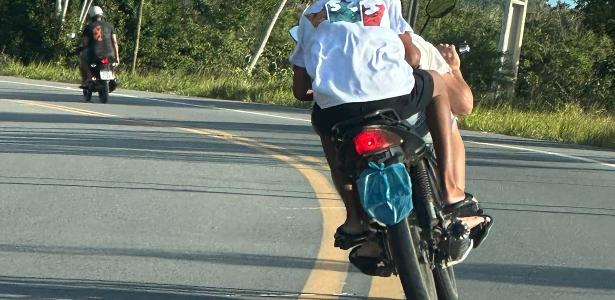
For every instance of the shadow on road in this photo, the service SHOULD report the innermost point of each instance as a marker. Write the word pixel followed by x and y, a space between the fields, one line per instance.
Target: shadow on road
pixel 239 259
pixel 52 288
pixel 167 144
pixel 555 276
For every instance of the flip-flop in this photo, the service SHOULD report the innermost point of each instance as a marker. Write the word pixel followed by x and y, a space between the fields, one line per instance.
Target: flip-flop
pixel 469 207
pixel 345 241
pixel 372 266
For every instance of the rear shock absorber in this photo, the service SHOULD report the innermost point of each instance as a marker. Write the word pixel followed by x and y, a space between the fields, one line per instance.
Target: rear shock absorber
pixel 424 198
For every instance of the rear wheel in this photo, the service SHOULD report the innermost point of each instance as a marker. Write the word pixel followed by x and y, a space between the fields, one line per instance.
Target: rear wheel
pixel 446 283
pixel 414 272
pixel 103 93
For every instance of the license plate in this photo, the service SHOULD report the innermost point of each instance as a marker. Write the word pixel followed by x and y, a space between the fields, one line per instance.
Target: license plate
pixel 106 75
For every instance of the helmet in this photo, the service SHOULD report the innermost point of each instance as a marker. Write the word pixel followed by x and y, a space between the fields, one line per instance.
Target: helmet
pixel 95 11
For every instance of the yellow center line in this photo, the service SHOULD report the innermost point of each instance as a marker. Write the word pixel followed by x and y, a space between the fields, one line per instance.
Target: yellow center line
pixel 327 278
pixel 65 108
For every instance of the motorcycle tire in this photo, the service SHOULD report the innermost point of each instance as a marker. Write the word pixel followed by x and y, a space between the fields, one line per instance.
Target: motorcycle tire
pixel 103 93
pixel 446 284
pixel 445 281
pixel 414 273
pixel 87 95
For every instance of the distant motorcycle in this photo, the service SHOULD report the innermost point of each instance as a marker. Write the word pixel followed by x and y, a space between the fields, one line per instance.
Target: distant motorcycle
pixel 103 80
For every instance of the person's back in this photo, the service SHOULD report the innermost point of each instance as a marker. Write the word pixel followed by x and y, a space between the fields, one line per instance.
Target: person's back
pixel 99 34
pixel 355 56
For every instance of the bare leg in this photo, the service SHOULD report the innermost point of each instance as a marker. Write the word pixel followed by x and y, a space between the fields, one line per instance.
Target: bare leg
pixel 83 67
pixel 438 120
pixel 459 158
pixel 354 223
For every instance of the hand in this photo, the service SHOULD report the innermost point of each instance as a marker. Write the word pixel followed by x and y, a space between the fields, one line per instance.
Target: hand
pixel 450 56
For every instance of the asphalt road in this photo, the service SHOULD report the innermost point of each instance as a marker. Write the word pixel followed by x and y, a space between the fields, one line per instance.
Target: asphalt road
pixel 155 196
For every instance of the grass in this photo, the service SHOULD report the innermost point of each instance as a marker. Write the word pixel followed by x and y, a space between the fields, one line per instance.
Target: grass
pixel 570 123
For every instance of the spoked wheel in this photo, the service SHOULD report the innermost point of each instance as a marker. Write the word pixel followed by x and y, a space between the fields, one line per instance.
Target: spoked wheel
pixel 87 95
pixel 103 93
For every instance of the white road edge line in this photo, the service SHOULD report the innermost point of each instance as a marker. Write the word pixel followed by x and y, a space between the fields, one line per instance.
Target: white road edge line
pixel 572 157
pixel 160 100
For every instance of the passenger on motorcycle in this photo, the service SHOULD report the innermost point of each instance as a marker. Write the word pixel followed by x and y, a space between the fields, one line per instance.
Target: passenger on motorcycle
pixel 352 61
pixel 98 40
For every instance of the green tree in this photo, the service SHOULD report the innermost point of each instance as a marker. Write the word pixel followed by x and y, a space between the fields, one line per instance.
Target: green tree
pixel 599 15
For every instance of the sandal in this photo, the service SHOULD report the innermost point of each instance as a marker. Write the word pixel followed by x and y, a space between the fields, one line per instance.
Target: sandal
pixel 345 241
pixel 372 266
pixel 469 207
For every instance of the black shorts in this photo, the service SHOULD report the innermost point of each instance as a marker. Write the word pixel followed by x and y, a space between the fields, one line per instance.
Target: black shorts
pixel 405 106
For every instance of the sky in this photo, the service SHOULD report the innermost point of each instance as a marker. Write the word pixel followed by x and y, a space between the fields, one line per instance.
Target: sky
pixel 571 2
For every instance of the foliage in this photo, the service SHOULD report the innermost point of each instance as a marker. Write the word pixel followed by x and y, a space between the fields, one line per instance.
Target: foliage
pixel 599 15
pixel 569 123
pixel 478 27
pixel 563 62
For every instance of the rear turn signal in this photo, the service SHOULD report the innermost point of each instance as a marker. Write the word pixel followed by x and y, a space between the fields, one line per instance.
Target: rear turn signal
pixel 374 140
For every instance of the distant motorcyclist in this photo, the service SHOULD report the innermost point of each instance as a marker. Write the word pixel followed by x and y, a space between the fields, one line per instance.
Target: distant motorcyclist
pixel 98 40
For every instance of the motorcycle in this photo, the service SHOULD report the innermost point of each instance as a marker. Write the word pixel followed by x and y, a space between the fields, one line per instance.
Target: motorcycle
pixel 103 81
pixel 395 173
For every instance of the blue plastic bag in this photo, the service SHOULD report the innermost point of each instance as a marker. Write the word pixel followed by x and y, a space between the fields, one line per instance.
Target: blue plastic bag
pixel 386 192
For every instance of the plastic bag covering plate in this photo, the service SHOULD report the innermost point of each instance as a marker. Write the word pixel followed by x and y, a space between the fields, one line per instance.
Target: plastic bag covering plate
pixel 386 192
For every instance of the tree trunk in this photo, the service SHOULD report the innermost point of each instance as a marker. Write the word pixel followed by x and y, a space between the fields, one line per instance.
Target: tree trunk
pixel 136 52
pixel 266 37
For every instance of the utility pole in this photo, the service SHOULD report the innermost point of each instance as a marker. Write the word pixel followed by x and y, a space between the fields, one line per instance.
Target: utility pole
pixel 511 36
pixel 266 37
pixel 136 52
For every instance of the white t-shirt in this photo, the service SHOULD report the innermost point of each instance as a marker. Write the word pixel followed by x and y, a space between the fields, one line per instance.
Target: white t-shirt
pixel 353 56
pixel 431 59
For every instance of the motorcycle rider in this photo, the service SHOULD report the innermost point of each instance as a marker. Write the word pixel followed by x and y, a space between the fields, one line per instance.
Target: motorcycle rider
pixel 351 61
pixel 98 40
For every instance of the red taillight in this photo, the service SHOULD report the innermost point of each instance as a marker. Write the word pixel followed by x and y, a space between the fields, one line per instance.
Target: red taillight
pixel 104 61
pixel 374 140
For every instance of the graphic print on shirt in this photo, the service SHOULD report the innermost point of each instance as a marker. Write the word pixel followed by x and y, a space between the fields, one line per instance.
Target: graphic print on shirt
pixel 368 12
pixel 372 13
pixel 343 11
pixel 98 34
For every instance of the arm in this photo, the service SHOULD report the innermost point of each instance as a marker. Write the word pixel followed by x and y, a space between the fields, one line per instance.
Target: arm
pixel 462 100
pixel 413 55
pixel 302 84
pixel 116 49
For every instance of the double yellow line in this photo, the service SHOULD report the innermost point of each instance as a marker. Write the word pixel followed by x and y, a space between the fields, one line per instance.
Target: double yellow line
pixel 327 279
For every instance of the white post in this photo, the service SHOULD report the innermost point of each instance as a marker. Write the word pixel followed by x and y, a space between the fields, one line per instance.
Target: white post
pixel 64 10
pixel 266 37
pixel 85 3
pixel 85 14
pixel 58 7
pixel 511 36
